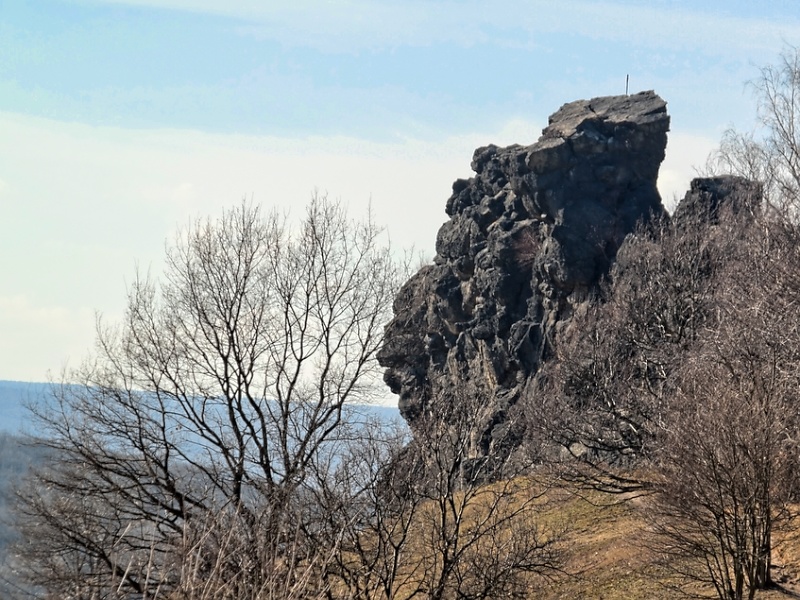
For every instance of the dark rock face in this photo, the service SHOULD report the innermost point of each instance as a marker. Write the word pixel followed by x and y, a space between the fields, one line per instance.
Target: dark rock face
pixel 528 240
pixel 707 196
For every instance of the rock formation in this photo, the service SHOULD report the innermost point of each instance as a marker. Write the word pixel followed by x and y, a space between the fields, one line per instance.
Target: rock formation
pixel 529 238
pixel 708 195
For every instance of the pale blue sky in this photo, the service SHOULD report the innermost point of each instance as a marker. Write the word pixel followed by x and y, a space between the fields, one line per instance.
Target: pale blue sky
pixel 120 120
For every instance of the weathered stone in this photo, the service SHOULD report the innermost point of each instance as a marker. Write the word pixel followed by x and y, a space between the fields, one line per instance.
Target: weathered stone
pixel 708 195
pixel 529 236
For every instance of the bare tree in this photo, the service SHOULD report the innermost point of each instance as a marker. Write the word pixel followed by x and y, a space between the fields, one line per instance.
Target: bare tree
pixel 602 401
pixel 433 521
pixel 204 412
pixel 771 153
pixel 481 535
pixel 683 382
pixel 728 456
pixel 367 511
pixel 722 480
pixel 731 432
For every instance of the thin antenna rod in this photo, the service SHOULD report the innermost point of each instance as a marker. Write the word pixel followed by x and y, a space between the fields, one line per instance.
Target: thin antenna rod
pixel 627 77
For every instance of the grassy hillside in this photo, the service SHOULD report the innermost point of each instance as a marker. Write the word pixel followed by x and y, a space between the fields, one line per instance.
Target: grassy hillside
pixel 610 555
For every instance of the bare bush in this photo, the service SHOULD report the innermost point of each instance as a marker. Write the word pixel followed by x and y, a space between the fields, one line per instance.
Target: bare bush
pixel 770 154
pixel 682 385
pixel 603 400
pixel 428 523
pixel 729 452
pixel 198 422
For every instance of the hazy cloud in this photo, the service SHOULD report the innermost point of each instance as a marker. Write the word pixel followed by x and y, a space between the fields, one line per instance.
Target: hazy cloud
pixel 41 339
pixel 355 25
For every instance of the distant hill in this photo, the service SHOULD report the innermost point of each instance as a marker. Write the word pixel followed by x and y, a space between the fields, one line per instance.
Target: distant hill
pixel 16 456
pixel 14 397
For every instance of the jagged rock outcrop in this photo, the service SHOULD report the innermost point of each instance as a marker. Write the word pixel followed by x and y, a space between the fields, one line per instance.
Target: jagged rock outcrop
pixel 707 196
pixel 528 239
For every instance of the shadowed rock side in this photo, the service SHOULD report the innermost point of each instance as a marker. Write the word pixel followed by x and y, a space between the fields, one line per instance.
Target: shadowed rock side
pixel 707 196
pixel 529 238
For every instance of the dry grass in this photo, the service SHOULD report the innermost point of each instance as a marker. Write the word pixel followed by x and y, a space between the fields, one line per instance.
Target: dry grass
pixel 605 551
pixel 608 553
pixel 608 558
